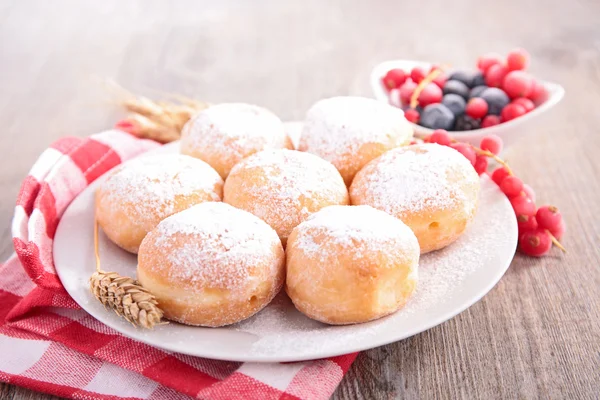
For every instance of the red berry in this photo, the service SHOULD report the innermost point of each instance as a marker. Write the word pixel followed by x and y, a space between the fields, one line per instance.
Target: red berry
pixel 430 94
pixel 528 190
pixel 440 136
pixel 512 111
pixel 407 90
pixel 517 59
pixel 417 74
pixel 523 205
pixel 538 93
pixel 517 84
pixel 511 186
pixel 476 108
pixel 412 115
pixel 481 164
pixel 491 143
pixel 535 243
pixel 499 174
pixel 394 78
pixel 559 231
pixel 548 217
pixel 526 223
pixel 490 120
pixel 440 80
pixel 526 103
pixel 495 74
pixel 487 60
pixel 466 151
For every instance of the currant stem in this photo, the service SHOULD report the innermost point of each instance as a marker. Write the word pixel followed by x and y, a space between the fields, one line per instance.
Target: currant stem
pixel 556 242
pixel 488 153
pixel 426 81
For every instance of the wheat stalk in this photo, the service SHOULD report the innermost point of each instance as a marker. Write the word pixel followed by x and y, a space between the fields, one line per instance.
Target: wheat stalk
pixel 124 295
pixel 162 121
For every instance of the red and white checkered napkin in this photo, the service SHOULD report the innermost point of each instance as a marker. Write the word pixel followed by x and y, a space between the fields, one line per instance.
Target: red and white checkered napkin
pixel 48 344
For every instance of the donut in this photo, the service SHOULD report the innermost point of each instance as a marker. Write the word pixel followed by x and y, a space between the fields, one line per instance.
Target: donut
pixel 433 189
pixel 284 187
pixel 211 265
pixel 144 191
pixel 351 264
pixel 224 134
pixel 351 131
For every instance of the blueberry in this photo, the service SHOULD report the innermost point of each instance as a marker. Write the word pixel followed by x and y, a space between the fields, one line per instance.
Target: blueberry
pixel 466 123
pixel 479 80
pixel 466 77
pixel 437 116
pixel 477 90
pixel 455 103
pixel 496 99
pixel 456 87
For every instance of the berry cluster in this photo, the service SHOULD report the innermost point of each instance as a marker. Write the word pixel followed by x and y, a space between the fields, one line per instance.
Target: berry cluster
pixel 539 228
pixel 499 91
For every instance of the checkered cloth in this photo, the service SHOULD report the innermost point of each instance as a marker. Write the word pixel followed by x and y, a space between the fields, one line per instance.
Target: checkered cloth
pixel 48 344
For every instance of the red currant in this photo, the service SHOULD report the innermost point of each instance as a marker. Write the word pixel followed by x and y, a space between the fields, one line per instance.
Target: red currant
pixel 526 103
pixel 495 74
pixel 528 190
pixel 548 217
pixel 412 115
pixel 499 174
pixel 406 91
pixel 466 151
pixel 417 74
pixel 559 231
pixel 526 223
pixel 487 60
pixel 394 78
pixel 491 143
pixel 440 136
pixel 490 120
pixel 517 84
pixel 476 108
pixel 511 186
pixel 440 80
pixel 512 111
pixel 481 164
pixel 535 243
pixel 517 59
pixel 538 93
pixel 523 205
pixel 430 94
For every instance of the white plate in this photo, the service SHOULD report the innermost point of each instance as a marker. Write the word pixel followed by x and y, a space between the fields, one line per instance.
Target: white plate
pixel 450 281
pixel 509 131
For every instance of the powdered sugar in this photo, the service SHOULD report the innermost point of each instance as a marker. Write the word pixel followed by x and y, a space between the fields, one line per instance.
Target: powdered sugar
pixel 231 131
pixel 337 127
pixel 285 187
pixel 355 227
pixel 415 178
pixel 227 244
pixel 448 281
pixel 151 184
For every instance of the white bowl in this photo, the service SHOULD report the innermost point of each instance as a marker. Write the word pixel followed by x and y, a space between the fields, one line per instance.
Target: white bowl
pixel 509 131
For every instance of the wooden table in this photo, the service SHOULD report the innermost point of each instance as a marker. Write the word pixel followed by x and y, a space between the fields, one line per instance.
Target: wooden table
pixel 536 334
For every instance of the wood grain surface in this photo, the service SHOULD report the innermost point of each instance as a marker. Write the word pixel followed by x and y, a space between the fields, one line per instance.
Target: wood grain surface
pixel 536 334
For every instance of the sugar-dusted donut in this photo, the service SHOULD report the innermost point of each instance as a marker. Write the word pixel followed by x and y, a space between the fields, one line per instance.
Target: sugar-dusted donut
pixel 284 187
pixel 351 264
pixel 212 265
pixel 433 189
pixel 224 134
pixel 351 131
pixel 144 191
